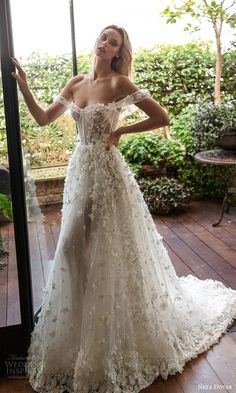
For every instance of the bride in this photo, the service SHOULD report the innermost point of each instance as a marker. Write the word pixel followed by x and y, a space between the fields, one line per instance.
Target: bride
pixel 114 314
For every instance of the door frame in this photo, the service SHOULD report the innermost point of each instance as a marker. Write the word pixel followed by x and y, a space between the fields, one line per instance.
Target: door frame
pixel 15 339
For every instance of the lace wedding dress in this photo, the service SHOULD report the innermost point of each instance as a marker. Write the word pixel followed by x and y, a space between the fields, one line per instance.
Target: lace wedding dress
pixel 114 315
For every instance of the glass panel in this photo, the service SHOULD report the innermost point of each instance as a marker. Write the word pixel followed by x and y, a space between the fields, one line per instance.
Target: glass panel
pixel 43 47
pixel 9 289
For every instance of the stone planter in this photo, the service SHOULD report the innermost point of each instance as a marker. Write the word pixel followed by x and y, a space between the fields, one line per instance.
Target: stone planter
pixel 48 185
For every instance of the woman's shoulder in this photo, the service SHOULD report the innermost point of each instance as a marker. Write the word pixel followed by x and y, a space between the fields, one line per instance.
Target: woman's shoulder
pixel 125 86
pixel 77 78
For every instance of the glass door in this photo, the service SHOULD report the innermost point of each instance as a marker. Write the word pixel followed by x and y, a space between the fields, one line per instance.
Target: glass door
pixel 33 164
pixel 45 55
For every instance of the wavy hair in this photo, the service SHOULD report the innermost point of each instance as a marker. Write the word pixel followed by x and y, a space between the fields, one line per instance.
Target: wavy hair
pixel 122 64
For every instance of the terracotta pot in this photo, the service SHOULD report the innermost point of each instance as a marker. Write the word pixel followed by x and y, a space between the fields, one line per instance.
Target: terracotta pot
pixel 227 141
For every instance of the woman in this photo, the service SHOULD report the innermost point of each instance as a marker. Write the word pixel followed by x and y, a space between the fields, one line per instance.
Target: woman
pixel 114 313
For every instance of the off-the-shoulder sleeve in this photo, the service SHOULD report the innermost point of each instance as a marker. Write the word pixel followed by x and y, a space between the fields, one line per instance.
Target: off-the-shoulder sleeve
pixel 137 96
pixel 62 100
pixel 127 104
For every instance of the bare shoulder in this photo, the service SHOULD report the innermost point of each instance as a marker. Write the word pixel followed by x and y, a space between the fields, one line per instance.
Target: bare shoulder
pixel 125 86
pixel 73 81
pixel 68 89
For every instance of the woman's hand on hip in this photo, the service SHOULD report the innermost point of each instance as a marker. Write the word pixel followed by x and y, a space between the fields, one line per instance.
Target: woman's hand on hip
pixel 114 138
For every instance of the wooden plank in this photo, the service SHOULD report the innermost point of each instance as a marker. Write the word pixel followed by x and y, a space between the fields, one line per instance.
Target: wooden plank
pixel 36 265
pixel 171 385
pixel 47 247
pixel 55 228
pixel 13 297
pixel 52 226
pixel 180 267
pixel 197 376
pixel 54 219
pixel 222 359
pixel 199 216
pixel 196 264
pixel 215 261
pixel 229 220
pixel 4 276
pixel 209 239
pixel 15 385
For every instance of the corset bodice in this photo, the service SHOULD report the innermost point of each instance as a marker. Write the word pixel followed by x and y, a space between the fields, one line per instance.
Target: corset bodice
pixel 96 121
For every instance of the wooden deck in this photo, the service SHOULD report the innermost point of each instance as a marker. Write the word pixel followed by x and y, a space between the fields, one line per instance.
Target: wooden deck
pixel 195 247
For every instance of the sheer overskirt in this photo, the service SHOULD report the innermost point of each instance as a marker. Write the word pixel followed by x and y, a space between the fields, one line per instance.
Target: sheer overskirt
pixel 114 315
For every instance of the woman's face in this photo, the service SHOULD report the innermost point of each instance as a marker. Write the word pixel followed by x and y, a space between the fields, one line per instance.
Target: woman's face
pixel 108 44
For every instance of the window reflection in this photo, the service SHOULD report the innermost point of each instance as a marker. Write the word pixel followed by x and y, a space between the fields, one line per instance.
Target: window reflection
pixel 9 290
pixel 43 47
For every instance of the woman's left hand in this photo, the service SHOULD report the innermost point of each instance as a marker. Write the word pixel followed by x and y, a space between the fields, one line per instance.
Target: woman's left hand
pixel 113 138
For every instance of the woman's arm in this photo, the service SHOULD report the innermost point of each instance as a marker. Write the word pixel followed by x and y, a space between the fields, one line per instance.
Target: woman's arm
pixel 157 116
pixel 41 115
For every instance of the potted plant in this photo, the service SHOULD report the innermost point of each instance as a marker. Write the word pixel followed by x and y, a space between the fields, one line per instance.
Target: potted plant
pixel 164 194
pixel 215 126
pixel 152 155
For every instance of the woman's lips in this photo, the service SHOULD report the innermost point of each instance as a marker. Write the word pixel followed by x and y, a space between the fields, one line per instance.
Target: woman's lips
pixel 102 49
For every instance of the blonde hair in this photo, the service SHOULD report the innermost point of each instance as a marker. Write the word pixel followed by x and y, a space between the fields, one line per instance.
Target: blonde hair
pixel 122 64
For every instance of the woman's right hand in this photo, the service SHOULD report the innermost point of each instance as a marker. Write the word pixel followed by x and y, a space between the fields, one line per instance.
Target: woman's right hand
pixel 20 76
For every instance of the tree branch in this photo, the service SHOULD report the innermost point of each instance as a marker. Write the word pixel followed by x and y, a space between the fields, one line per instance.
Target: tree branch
pixel 231 5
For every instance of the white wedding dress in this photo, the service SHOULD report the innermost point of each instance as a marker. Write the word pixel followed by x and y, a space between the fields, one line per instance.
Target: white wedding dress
pixel 114 315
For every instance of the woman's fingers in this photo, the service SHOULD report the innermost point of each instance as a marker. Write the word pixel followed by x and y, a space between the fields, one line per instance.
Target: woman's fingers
pixel 112 140
pixel 15 76
pixel 21 76
pixel 18 66
pixel 15 60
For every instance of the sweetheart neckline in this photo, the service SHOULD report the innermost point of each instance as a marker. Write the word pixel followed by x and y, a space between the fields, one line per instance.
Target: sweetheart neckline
pixel 96 103
pixel 71 105
pixel 109 103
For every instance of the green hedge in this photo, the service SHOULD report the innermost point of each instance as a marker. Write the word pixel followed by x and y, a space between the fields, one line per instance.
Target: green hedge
pixel 176 76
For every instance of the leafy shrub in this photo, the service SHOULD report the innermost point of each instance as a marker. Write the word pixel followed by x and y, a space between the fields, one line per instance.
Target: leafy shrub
pixel 148 148
pixel 201 177
pixel 181 129
pixel 177 75
pixel 5 207
pixel 228 80
pixel 174 74
pixel 164 194
pixel 211 121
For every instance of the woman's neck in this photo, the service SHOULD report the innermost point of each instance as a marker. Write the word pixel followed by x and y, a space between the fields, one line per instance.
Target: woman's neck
pixel 101 69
